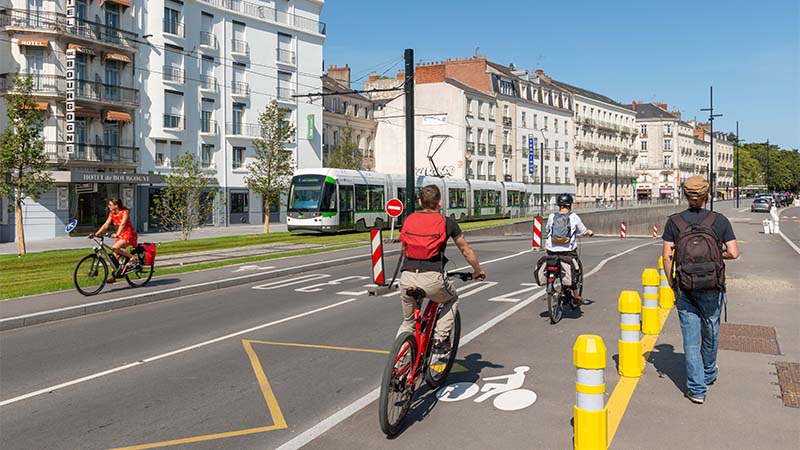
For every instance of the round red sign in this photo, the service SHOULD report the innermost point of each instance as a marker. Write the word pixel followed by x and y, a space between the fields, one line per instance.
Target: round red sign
pixel 394 207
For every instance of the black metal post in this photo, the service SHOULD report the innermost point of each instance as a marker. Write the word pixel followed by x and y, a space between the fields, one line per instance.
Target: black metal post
pixel 711 178
pixel 409 93
pixel 769 172
pixel 616 201
pixel 736 155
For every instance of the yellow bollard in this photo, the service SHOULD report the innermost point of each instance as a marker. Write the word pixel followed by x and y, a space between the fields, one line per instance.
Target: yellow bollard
pixel 590 415
pixel 666 297
pixel 630 342
pixel 650 316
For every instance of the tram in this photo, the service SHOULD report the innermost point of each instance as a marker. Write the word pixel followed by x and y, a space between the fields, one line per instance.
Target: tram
pixel 333 200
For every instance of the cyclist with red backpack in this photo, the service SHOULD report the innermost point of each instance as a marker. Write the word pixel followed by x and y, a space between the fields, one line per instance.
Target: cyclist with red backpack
pixel 563 227
pixel 697 235
pixel 424 236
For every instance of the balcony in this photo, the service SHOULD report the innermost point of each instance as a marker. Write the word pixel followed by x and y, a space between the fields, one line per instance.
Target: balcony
pixel 173 122
pixel 492 149
pixel 286 57
pixel 56 23
pixel 268 14
pixel 492 177
pixel 99 154
pixel 471 147
pixel 208 40
pixel 506 149
pixel 506 121
pixel 558 180
pixel 208 126
pixel 172 74
pixel 285 94
pixel 557 156
pixel 240 48
pixel 469 113
pixel 208 83
pixel 239 129
pixel 43 85
pixel 173 27
pixel 481 149
pixel 482 177
pixel 85 91
pixel 547 155
pixel 240 89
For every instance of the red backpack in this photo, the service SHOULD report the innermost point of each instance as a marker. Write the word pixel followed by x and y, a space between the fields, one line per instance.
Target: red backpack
pixel 424 235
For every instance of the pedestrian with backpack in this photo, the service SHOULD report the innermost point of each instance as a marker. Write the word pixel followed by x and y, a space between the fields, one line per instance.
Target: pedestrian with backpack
pixel 424 236
pixel 701 240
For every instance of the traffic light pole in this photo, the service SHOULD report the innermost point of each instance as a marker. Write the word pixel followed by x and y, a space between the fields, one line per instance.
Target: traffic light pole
pixel 409 94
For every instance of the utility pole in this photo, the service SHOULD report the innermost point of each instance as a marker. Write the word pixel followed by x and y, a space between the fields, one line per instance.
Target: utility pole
pixel 711 116
pixel 736 155
pixel 616 161
pixel 409 93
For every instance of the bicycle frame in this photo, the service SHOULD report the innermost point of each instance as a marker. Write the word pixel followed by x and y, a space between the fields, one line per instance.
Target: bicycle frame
pixel 422 335
pixel 104 250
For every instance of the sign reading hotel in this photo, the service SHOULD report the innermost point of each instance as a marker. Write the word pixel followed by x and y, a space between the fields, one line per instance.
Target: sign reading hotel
pixel 69 126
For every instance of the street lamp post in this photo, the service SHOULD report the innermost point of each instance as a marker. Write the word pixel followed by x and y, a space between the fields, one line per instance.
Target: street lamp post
pixel 736 155
pixel 711 116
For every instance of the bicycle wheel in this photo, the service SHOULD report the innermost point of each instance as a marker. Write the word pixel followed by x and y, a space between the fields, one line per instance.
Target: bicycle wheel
pixel 554 305
pixel 438 369
pixel 396 393
pixel 90 275
pixel 139 276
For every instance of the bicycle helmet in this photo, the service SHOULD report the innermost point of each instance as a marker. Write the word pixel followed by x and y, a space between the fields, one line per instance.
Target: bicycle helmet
pixel 564 200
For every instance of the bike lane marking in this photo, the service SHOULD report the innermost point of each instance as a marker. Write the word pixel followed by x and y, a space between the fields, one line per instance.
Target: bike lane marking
pixel 287 283
pixel 278 420
pixel 331 421
pixel 509 299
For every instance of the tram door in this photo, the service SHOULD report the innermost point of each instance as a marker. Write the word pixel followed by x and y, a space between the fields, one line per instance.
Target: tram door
pixel 346 202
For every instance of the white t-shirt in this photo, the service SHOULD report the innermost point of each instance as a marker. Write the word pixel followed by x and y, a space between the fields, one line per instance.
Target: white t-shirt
pixel 576 227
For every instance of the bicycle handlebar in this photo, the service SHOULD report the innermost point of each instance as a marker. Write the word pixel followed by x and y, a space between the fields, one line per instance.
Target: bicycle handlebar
pixel 465 276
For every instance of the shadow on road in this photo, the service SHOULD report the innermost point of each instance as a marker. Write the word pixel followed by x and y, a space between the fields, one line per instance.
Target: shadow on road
pixel 669 363
pixel 164 282
pixel 425 398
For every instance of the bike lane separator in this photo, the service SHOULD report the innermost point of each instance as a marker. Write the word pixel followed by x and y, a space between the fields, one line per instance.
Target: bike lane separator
pixel 343 414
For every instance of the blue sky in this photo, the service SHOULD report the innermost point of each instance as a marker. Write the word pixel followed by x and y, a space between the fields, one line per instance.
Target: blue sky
pixel 629 50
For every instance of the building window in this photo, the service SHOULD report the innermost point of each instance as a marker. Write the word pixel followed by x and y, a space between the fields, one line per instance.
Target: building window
pixel 644 130
pixel 545 123
pixel 506 87
pixel 667 129
pixel 240 203
pixel 667 144
pixel 555 125
pixel 480 135
pixel 523 119
pixel 505 111
pixel 668 160
pixel 480 109
pixel 535 120
pixel 172 21
pixel 644 145
pixel 205 154
pixel 238 157
pixel 490 137
pixel 469 107
pixel 355 110
pixel 112 16
pixel 490 169
pixel 565 127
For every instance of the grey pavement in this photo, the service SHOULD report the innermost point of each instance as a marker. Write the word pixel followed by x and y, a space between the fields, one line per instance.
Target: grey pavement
pixel 68 242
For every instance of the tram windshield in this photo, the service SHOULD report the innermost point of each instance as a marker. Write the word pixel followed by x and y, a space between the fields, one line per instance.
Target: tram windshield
pixel 310 193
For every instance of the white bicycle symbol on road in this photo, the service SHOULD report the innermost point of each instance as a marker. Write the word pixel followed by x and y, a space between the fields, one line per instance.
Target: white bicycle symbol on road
pixel 509 396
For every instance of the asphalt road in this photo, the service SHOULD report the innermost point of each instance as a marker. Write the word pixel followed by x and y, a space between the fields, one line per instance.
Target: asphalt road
pixel 190 368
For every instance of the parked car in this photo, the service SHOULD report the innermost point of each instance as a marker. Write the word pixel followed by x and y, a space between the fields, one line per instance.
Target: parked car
pixel 761 204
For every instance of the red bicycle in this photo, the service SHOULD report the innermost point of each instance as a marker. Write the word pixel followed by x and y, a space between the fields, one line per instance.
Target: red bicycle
pixel 411 356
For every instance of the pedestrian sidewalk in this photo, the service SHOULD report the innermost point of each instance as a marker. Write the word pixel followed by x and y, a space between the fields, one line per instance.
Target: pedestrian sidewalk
pixel 73 242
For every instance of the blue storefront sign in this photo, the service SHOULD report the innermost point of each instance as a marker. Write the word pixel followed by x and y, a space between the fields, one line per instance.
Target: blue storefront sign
pixel 531 146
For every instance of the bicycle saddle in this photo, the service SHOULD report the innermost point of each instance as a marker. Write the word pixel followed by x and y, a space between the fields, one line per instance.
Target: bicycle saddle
pixel 416 293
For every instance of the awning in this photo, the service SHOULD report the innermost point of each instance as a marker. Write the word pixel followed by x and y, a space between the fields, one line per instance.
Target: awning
pixel 117 57
pixel 81 49
pixel 33 42
pixel 82 111
pixel 118 2
pixel 41 106
pixel 117 116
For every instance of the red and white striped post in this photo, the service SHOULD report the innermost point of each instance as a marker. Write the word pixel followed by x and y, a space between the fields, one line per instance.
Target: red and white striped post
pixel 623 230
pixel 655 231
pixel 537 232
pixel 376 235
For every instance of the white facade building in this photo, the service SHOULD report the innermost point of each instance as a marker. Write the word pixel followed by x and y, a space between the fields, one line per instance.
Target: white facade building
pixel 343 112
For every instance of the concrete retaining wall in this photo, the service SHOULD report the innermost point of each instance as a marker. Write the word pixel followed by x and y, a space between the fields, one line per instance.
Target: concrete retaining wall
pixel 639 221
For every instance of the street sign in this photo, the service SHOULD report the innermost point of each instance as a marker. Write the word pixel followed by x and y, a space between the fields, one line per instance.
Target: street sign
pixel 634 182
pixel 394 207
pixel 531 146
pixel 71 225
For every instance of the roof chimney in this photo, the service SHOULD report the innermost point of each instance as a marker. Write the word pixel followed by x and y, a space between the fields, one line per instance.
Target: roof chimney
pixel 340 74
pixel 633 105
pixel 401 75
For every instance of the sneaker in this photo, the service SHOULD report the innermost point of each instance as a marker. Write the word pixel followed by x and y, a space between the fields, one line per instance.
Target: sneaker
pixel 694 399
pixel 576 301
pixel 441 346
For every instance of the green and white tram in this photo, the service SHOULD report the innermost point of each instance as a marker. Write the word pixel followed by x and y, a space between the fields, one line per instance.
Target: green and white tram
pixel 332 200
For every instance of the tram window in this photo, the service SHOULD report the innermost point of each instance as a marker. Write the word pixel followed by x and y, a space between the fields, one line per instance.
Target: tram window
pixel 328 201
pixel 361 197
pixel 376 194
pixel 457 198
pixel 401 195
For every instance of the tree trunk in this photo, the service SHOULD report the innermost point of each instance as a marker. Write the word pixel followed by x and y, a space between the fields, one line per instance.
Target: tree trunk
pixel 20 230
pixel 266 217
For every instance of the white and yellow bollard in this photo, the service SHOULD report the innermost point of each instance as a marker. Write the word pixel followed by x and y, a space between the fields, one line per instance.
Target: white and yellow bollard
pixel 630 338
pixel 651 322
pixel 666 297
pixel 590 415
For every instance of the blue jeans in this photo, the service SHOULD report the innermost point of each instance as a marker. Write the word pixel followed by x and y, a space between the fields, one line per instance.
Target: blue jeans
pixel 700 338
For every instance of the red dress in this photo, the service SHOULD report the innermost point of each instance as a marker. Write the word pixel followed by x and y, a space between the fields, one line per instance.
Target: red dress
pixel 127 234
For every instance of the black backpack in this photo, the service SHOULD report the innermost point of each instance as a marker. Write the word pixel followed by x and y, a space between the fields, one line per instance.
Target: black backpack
pixel 699 265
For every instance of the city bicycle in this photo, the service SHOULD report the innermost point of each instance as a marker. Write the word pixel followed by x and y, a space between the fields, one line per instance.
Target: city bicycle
pixel 91 272
pixel 412 359
pixel 559 296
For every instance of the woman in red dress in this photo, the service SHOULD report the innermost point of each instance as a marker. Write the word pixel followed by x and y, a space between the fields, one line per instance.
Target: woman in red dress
pixel 120 216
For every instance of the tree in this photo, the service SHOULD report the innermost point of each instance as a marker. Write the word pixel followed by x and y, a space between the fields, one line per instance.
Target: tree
pixel 23 163
pixel 184 203
pixel 273 166
pixel 348 155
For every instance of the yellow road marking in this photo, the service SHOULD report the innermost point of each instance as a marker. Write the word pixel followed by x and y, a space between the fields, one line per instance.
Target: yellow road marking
pixel 623 391
pixel 455 369
pixel 279 422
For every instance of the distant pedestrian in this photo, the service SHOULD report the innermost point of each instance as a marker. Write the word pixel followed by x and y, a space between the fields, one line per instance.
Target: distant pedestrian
pixel 702 240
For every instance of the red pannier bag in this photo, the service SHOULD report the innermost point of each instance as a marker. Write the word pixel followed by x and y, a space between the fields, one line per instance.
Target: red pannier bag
pixel 149 253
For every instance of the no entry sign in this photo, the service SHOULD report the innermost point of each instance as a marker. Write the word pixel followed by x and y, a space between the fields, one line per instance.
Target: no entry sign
pixel 394 207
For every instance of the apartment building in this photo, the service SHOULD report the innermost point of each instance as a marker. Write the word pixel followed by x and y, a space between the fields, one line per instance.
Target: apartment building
pixel 212 67
pixel 474 119
pixel 605 131
pixel 340 112
pixel 662 144
pixel 82 58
